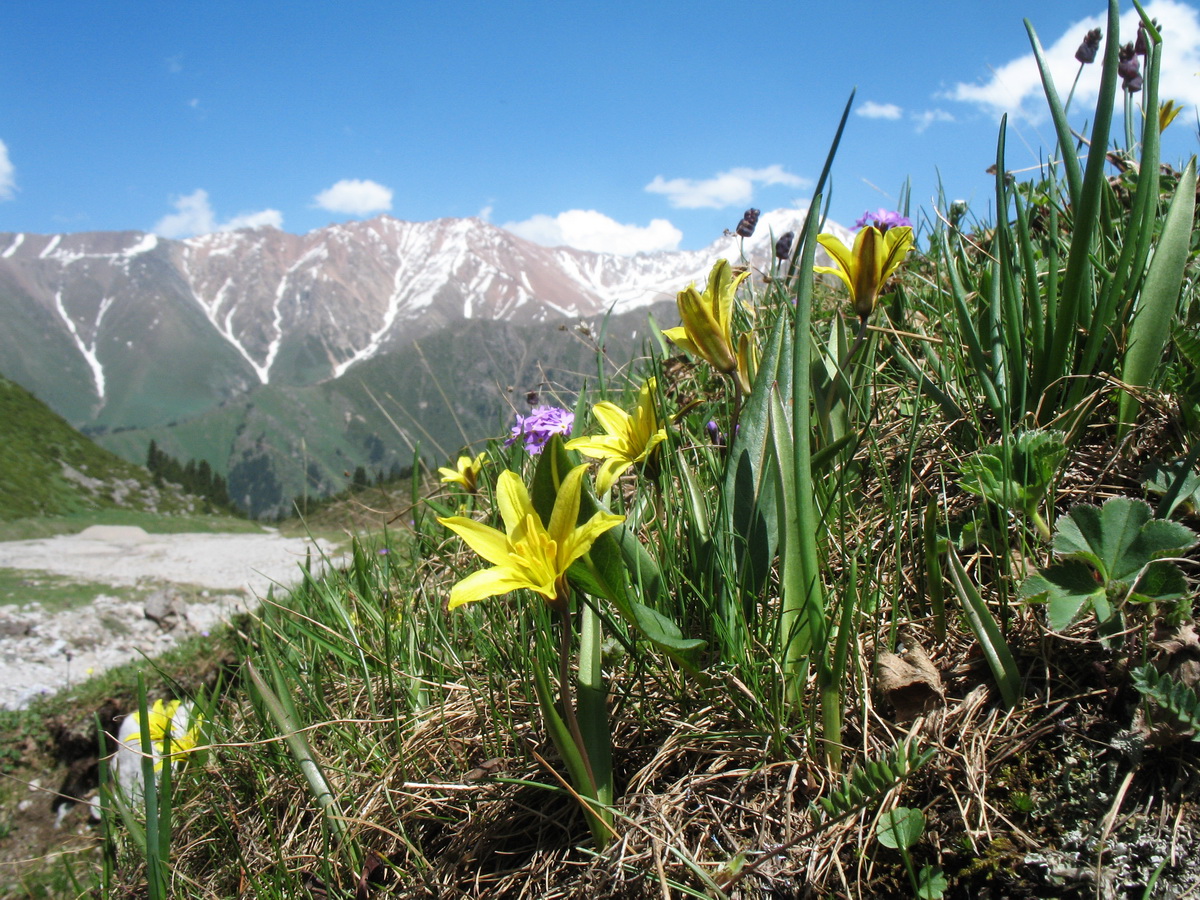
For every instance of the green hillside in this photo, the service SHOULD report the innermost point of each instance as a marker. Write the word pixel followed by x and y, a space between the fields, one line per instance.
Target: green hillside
pixel 47 468
pixel 458 386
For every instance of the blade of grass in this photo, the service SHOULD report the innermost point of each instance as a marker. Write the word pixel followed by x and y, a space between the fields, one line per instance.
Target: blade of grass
pixel 1160 294
pixel 983 624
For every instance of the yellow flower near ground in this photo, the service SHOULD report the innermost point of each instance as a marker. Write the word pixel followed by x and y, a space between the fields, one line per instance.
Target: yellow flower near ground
pixel 865 268
pixel 174 731
pixel 630 439
pixel 465 472
pixel 528 553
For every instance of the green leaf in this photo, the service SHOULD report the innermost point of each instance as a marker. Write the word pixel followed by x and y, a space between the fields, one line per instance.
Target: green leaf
pixel 983 624
pixel 1159 296
pixel 900 828
pixel 1177 484
pixel 931 883
pixel 1069 589
pixel 749 485
pixel 1119 538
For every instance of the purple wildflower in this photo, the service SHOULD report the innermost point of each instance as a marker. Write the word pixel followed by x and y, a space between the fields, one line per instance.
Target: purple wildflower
pixel 539 426
pixel 1128 69
pixel 883 219
pixel 783 246
pixel 745 228
pixel 383 551
pixel 1087 50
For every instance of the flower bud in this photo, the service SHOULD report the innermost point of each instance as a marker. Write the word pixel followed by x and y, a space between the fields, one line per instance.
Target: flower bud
pixel 1087 50
pixel 783 246
pixel 749 221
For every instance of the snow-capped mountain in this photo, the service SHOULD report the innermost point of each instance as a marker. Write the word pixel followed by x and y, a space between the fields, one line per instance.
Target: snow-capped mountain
pixel 119 312
pixel 250 348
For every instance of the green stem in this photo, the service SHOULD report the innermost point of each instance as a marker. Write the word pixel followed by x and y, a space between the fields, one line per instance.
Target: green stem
pixel 593 708
pixel 567 698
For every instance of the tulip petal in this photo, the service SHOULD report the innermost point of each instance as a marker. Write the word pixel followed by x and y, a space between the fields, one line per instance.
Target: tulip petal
pixel 513 500
pixel 489 543
pixel 612 418
pixel 490 583
pixel 610 470
pixel 581 539
pixel 566 508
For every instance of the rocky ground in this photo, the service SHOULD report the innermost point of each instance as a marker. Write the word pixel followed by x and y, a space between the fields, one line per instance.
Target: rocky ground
pixel 189 583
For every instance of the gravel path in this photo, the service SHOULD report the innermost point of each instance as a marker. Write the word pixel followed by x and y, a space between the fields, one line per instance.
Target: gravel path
pixel 42 652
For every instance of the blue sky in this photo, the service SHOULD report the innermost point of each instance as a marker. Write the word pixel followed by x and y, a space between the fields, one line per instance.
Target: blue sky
pixel 616 126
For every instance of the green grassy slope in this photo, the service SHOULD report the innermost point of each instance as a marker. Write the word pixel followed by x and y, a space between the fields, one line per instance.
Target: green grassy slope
pixel 455 387
pixel 47 468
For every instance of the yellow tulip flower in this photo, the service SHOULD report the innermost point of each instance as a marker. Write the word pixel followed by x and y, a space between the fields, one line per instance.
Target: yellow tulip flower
pixel 707 329
pixel 865 268
pixel 630 439
pixel 466 472
pixel 531 554
pixel 1166 114
pixel 171 724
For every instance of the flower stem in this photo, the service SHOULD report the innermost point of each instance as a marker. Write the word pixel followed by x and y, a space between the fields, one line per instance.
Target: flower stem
pixel 567 694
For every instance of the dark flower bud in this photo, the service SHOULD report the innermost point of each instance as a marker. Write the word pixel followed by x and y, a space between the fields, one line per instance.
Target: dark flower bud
pixel 1087 50
pixel 1134 84
pixel 783 246
pixel 1128 67
pixel 746 227
pixel 1141 47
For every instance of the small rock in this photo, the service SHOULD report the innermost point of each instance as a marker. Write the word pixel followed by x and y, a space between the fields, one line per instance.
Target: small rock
pixel 164 609
pixel 14 628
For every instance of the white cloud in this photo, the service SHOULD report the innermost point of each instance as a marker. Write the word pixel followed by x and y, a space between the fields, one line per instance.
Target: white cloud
pixel 1016 88
pixel 873 110
pixel 271 218
pixel 927 117
pixel 355 197
pixel 732 188
pixel 485 214
pixel 194 215
pixel 8 175
pixel 587 229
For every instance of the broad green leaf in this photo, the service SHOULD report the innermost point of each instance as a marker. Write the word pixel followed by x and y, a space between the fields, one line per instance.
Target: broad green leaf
pixel 931 883
pixel 749 488
pixel 1069 590
pixel 900 828
pixel 1177 484
pixel 1119 538
pixel 1159 296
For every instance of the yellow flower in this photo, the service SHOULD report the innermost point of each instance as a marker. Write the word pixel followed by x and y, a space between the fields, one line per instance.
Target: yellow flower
pixel 1166 114
pixel 876 255
pixel 531 555
pixel 466 472
pixel 170 724
pixel 707 329
pixel 630 439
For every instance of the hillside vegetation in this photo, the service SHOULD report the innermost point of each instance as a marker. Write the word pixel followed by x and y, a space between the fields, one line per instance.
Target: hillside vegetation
pixel 278 445
pixel 47 468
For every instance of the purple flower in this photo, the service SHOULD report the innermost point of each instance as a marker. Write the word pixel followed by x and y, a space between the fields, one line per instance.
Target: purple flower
pixel 883 219
pixel 745 228
pixel 383 551
pixel 1091 43
pixel 539 426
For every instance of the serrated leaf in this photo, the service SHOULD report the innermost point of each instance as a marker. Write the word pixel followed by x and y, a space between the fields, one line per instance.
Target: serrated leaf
pixel 1069 589
pixel 1119 537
